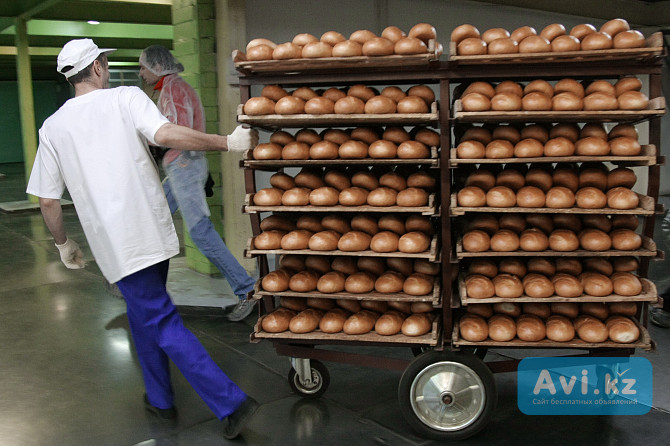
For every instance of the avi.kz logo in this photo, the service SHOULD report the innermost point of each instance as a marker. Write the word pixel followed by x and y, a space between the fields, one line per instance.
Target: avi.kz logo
pixel 584 386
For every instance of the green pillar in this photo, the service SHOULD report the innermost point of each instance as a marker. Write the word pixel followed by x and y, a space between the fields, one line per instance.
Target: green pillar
pixel 26 102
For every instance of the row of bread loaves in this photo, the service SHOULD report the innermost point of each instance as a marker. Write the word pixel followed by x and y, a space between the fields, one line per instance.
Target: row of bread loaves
pixel 600 310
pixel 358 99
pixel 357 143
pixel 558 328
pixel 565 95
pixel 349 265
pixel 349 316
pixel 546 177
pixel 614 34
pixel 537 285
pixel 548 266
pixel 560 240
pixel 362 42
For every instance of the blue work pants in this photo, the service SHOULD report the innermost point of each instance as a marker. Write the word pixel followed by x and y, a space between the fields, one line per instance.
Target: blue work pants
pixel 160 335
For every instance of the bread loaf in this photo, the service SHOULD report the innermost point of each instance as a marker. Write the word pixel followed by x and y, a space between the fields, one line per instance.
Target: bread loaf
pixel 473 328
pixel 622 330
pixel 416 324
pixel 501 328
pixel 360 323
pixel 559 328
pixel 275 281
pixel 389 323
pixel 333 320
pixel 303 281
pixel 278 320
pixel 331 282
pixel 530 328
pixel 306 321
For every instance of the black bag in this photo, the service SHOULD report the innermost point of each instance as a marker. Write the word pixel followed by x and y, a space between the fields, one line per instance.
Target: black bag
pixel 209 184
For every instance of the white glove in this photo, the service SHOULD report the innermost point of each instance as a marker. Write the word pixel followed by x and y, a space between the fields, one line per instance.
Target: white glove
pixel 242 138
pixel 71 255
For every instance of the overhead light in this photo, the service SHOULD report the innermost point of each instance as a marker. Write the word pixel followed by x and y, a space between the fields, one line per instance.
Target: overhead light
pixel 93 22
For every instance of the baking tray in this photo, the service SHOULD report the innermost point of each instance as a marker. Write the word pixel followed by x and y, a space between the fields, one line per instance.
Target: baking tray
pixel 655 108
pixel 654 49
pixel 649 294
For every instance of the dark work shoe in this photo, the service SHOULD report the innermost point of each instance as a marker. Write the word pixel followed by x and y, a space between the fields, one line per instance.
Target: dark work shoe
pixel 235 422
pixel 660 317
pixel 163 414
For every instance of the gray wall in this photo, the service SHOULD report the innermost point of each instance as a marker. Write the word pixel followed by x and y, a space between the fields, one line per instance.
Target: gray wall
pixel 281 20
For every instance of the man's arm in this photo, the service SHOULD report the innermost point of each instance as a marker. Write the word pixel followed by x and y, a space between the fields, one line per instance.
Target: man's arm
pixel 70 254
pixel 53 217
pixel 184 138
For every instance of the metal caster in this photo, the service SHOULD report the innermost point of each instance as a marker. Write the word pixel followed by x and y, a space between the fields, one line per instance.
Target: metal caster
pixel 309 378
pixel 446 395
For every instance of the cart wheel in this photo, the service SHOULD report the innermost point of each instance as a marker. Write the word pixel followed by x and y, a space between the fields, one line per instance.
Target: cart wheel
pixel 447 395
pixel 319 384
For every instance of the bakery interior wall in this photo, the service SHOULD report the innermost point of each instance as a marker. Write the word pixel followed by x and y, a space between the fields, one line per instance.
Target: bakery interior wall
pixel 281 20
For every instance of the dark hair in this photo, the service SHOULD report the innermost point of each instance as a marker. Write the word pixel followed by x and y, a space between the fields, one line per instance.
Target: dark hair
pixel 85 73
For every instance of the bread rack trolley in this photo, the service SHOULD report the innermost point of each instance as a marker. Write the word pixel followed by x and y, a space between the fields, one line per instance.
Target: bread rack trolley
pixel 447 391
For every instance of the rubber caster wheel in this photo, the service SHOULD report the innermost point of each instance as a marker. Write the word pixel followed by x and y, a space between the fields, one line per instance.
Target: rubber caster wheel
pixel 447 395
pixel 320 379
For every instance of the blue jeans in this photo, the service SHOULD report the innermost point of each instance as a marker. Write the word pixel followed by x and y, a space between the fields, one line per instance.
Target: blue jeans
pixel 160 335
pixel 184 189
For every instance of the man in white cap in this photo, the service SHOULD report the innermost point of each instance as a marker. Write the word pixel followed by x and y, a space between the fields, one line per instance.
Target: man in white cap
pixel 96 145
pixel 186 172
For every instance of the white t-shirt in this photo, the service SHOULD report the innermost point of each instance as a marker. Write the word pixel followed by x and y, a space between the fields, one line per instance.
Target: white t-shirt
pixel 96 145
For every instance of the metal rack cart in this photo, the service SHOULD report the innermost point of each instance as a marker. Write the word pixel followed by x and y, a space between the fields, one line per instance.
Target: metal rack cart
pixel 447 391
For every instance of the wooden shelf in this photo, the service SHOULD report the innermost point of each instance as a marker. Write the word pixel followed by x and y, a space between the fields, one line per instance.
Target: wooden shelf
pixel 432 254
pixel 647 157
pixel 338 120
pixel 653 50
pixel 317 336
pixel 656 108
pixel 435 298
pixel 248 161
pixel 430 209
pixel 649 294
pixel 644 342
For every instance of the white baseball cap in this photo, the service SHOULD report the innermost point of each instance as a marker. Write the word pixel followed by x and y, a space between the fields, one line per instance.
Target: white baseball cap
pixel 78 54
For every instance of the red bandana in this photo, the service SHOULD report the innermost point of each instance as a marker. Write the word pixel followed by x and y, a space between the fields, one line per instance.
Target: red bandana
pixel 159 84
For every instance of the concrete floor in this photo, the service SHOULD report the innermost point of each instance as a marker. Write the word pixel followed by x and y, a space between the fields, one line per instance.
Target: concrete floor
pixel 69 375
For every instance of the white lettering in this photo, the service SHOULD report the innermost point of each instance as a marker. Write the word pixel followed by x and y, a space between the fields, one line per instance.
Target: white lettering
pixel 628 390
pixel 544 382
pixel 567 386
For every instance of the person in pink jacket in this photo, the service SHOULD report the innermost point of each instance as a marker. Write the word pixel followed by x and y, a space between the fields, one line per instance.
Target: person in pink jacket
pixel 187 172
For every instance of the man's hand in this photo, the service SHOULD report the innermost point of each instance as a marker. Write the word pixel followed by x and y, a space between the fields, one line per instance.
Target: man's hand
pixel 242 139
pixel 71 255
